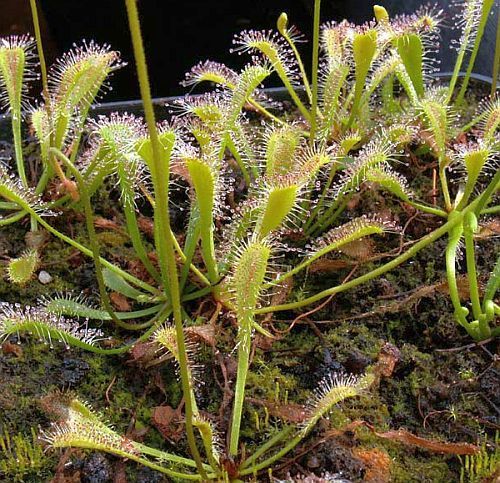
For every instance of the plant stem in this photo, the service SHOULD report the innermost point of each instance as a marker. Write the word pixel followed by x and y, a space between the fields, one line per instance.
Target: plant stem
pixel 94 245
pixel 444 185
pixel 267 446
pixel 460 312
pixel 314 76
pixel 474 121
pixel 496 62
pixel 485 12
pixel 161 175
pixel 160 317
pixel 12 218
pixel 245 323
pixel 302 70
pixel 460 58
pixel 428 209
pixel 48 171
pixel 319 204
pixel 18 146
pixel 411 252
pixel 470 259
pixel 135 237
pixel 491 210
pixel 204 280
pixel 241 164
pixel 264 111
pixel 269 461
pixel 39 48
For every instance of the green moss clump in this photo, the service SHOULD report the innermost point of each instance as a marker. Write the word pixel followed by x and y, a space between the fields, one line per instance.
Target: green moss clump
pixel 22 458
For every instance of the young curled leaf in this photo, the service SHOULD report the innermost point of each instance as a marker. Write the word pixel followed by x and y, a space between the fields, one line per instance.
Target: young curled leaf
pixel 411 52
pixel 20 270
pixel 209 71
pixel 364 48
pixel 388 179
pixel 353 230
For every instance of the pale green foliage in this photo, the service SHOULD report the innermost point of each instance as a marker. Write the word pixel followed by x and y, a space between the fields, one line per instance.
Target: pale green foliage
pixel 20 270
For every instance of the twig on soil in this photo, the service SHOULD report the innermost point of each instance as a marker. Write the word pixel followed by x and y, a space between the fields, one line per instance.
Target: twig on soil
pixel 465 347
pixel 109 388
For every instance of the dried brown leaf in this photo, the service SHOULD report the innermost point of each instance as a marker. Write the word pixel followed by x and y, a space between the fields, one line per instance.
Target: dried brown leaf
pixel 328 265
pixel 406 437
pixel 167 420
pixel 290 412
pixel 120 302
pixel 377 464
pixel 205 333
pixel 14 349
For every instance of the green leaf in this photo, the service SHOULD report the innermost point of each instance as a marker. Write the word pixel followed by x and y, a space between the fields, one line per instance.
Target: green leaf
pixel 435 113
pixel 250 78
pixel 390 180
pixel 364 47
pixel 143 147
pixel 64 305
pixel 332 390
pixel 411 51
pixel 15 55
pixel 203 180
pixel 278 205
pixel 77 77
pixel 116 283
pixel 331 91
pixel 248 276
pixel 45 326
pixel 41 126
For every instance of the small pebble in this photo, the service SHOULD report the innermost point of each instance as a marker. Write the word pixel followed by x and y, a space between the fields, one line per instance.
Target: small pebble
pixel 44 277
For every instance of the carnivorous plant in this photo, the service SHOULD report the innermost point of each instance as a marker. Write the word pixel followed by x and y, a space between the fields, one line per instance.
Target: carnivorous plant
pixel 371 94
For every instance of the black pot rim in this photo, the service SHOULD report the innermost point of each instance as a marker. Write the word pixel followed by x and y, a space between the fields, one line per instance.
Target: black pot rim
pixel 278 93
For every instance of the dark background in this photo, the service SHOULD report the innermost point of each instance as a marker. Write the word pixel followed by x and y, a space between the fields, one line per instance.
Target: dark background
pixel 179 33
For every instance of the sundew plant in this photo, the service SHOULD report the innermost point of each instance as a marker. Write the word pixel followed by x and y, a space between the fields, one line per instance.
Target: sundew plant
pixel 370 96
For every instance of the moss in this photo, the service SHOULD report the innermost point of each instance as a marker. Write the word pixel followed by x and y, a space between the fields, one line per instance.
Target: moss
pixel 22 458
pixel 425 469
pixel 269 383
pixel 112 238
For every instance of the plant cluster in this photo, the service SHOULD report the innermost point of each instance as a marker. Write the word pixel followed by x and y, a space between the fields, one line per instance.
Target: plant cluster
pixel 370 96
